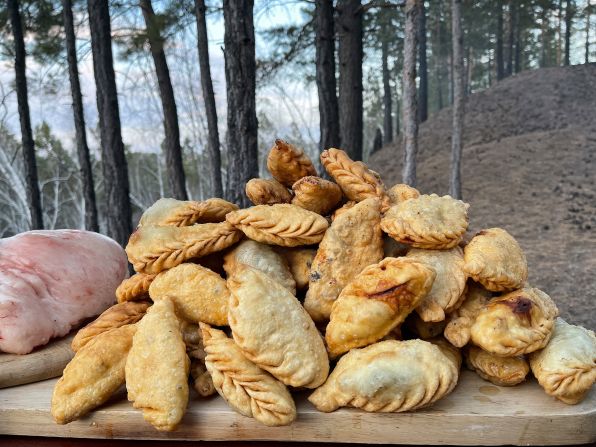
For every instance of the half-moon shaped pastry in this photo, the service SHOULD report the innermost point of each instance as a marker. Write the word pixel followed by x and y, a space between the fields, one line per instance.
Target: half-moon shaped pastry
pixel 402 192
pixel 299 262
pixel 182 213
pixel 517 323
pixel 428 221
pixel 389 376
pixel 134 288
pixel 284 224
pixel 375 302
pixel 262 191
pixel 247 388
pixel 316 194
pixel 274 331
pixel 502 371
pixel 494 259
pixel 566 367
pixel 288 164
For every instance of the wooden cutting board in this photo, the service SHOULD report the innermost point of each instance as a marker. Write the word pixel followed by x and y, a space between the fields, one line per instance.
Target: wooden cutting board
pixel 476 413
pixel 43 363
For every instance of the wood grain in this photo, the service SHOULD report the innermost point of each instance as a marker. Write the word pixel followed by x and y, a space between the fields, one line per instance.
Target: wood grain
pixel 476 413
pixel 43 363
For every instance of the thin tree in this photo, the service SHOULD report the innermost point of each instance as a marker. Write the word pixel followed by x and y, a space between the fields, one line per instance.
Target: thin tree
pixel 325 74
pixel 172 149
pixel 30 163
pixel 114 166
pixel 209 97
pixel 349 30
pixel 422 66
pixel 240 66
pixel 458 100
pixel 499 51
pixel 569 12
pixel 510 38
pixel 410 107
pixel 91 222
pixel 518 39
pixel 587 45
pixel 387 135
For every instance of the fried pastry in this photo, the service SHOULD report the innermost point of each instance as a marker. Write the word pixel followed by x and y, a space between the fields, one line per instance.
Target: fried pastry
pixel 247 388
pixel 401 192
pixel 274 331
pixel 376 301
pixel 93 375
pixel 494 259
pixel 202 381
pixel 425 330
pixel 288 164
pixel 502 371
pixel 299 262
pixel 285 225
pixel 428 221
pixel 461 319
pixel 157 367
pixel 353 241
pixel 263 258
pixel 345 207
pixel 198 293
pixel 191 334
pixel 316 194
pixel 114 317
pixel 449 283
pixel 389 376
pixel 134 288
pixel 154 249
pixel 566 367
pixel 262 191
pixel 354 178
pixel 517 323
pixel 182 213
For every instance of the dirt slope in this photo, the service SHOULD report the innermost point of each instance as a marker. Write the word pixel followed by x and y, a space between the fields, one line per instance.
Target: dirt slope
pixel 528 166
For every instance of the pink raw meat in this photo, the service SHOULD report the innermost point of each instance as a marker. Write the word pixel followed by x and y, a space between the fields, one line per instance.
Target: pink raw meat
pixel 50 281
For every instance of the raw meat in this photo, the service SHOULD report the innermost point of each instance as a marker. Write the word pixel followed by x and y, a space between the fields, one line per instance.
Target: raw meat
pixel 50 281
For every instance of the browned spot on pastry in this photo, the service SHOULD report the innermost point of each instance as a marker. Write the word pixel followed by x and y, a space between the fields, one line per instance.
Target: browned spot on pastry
pixel 395 297
pixel 482 233
pixel 520 306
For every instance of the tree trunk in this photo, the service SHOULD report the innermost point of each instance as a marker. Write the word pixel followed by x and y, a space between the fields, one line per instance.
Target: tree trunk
pixel 29 161
pixel 172 149
pixel 410 106
pixel 438 58
pixel 458 101
pixel 587 46
pixel 349 29
pixel 510 39
pixel 543 38
pixel 499 50
pixel 240 64
pixel 209 97
pixel 518 44
pixel 114 166
pixel 91 222
pixel 559 33
pixel 387 118
pixel 569 10
pixel 377 142
pixel 423 66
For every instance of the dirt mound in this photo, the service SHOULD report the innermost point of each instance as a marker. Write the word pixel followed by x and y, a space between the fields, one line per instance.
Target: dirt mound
pixel 528 166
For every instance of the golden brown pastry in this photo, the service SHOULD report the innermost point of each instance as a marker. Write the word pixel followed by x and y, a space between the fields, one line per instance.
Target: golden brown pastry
pixel 353 177
pixel 263 258
pixel 93 375
pixel 182 213
pixel 316 194
pixel 154 249
pixel 461 319
pixel 274 331
pixel 202 381
pixel 566 367
pixel 288 164
pixel 114 317
pixel 299 262
pixel 494 259
pixel 198 293
pixel 449 283
pixel 389 376
pixel 248 389
pixel 517 323
pixel 262 191
pixel 157 367
pixel 285 225
pixel 401 192
pixel 345 207
pixel 375 302
pixel 448 349
pixel 428 221
pixel 353 241
pixel 134 288
pixel 502 371
pixel 425 330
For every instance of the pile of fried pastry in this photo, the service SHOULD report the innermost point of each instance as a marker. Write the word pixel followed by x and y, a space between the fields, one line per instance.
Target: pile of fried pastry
pixel 255 302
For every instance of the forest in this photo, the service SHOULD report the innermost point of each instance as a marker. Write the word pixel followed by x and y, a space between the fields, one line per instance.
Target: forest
pixel 106 106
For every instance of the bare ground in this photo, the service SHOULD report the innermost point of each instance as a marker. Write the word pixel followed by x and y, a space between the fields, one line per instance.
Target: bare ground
pixel 529 166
